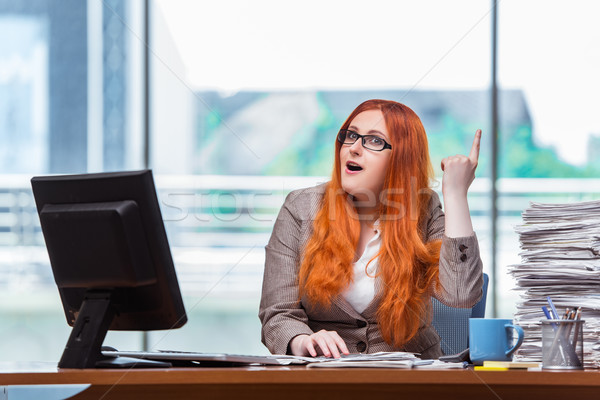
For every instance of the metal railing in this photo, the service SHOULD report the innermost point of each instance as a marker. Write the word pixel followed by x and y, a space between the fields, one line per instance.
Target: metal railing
pixel 218 225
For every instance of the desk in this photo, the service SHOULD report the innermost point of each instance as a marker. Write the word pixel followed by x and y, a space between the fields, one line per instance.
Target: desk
pixel 289 383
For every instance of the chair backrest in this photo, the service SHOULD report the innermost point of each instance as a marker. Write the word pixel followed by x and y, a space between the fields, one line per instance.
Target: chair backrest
pixel 452 324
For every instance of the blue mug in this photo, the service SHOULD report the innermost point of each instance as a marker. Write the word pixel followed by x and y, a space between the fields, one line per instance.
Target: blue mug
pixel 491 339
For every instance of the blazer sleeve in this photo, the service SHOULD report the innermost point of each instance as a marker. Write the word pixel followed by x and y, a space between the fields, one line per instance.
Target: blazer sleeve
pixel 460 266
pixel 280 311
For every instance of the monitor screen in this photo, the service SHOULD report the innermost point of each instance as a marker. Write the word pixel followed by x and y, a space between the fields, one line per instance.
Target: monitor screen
pixel 110 257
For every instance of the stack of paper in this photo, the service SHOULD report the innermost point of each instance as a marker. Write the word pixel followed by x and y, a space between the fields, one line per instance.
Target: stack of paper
pixel 380 360
pixel 379 356
pixel 560 258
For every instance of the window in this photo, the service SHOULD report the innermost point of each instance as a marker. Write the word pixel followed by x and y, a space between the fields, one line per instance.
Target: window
pixel 549 129
pixel 246 104
pixel 245 100
pixel 70 102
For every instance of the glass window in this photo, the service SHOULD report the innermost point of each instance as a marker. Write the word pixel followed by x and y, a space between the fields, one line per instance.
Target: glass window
pixel 245 102
pixel 70 102
pixel 247 99
pixel 549 124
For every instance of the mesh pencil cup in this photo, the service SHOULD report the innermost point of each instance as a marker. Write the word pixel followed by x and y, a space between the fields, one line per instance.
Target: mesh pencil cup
pixel 562 344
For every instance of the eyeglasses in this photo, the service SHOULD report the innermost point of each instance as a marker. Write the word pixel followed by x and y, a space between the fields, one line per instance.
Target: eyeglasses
pixel 370 142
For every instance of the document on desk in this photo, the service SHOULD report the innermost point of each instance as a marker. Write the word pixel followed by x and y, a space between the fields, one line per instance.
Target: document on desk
pixel 560 257
pixel 384 359
pixel 276 359
pixel 405 364
pixel 381 360
pixel 382 356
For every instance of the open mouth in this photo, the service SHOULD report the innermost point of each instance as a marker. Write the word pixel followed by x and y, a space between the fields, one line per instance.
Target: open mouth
pixel 352 166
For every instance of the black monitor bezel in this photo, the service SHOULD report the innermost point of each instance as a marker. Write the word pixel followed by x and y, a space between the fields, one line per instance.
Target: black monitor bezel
pixel 112 187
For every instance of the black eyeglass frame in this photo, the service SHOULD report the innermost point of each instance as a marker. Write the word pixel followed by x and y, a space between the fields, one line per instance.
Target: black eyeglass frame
pixel 363 138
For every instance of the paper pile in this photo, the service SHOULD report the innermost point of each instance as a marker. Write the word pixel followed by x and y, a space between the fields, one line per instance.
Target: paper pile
pixel 381 359
pixel 560 258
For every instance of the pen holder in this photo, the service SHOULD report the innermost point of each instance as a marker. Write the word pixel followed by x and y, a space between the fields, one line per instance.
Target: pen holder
pixel 562 344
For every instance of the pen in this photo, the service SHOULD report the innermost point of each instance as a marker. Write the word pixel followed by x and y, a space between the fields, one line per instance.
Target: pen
pixel 557 343
pixel 546 312
pixel 552 308
pixel 556 346
pixel 567 344
pixel 548 316
pixel 577 328
pixel 568 316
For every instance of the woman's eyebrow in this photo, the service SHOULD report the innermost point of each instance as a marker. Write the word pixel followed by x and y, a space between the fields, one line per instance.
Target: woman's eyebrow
pixel 354 128
pixel 372 131
pixel 377 132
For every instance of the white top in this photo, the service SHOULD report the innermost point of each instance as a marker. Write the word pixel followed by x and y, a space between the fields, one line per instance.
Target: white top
pixel 362 290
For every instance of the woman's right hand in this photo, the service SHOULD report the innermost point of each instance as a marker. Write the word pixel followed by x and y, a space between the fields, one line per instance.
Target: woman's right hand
pixel 327 343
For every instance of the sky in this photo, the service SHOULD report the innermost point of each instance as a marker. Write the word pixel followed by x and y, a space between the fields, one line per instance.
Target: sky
pixel 545 49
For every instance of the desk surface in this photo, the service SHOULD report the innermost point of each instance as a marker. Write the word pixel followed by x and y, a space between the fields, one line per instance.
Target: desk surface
pixel 302 383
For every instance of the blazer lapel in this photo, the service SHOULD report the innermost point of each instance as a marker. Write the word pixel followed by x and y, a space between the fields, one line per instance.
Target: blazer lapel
pixel 371 310
pixel 341 303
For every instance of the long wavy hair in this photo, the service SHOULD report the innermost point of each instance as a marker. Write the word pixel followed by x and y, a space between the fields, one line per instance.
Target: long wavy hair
pixel 408 267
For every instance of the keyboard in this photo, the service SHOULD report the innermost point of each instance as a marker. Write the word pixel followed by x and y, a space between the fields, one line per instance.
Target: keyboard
pixel 185 358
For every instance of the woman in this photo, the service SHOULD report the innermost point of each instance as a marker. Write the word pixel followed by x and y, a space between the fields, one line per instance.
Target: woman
pixel 352 264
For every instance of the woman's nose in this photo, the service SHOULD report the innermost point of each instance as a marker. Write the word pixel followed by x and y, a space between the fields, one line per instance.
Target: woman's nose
pixel 356 147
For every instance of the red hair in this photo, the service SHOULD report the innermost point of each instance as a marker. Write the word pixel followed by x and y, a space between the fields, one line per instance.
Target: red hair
pixel 407 266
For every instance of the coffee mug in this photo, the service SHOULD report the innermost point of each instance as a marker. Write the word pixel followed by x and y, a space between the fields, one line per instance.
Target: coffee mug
pixel 491 339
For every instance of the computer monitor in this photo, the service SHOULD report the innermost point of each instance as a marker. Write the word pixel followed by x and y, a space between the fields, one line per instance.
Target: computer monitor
pixel 110 258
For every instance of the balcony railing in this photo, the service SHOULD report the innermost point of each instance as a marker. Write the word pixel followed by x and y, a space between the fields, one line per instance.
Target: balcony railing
pixel 218 225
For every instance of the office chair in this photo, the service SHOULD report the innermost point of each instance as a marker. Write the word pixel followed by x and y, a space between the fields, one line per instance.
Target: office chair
pixel 452 324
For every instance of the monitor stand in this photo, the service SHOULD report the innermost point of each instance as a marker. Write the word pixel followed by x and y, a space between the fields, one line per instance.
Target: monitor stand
pixel 83 349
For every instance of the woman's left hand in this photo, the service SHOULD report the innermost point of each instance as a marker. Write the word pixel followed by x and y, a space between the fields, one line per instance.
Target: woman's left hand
pixel 459 170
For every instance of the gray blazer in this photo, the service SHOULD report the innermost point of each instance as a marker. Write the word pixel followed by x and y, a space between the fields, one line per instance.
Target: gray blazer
pixel 284 317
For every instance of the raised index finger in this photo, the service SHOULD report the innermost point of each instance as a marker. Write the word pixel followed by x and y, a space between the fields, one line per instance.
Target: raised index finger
pixel 474 155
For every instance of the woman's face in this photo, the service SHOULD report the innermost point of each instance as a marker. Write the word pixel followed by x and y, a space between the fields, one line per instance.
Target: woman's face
pixel 363 170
